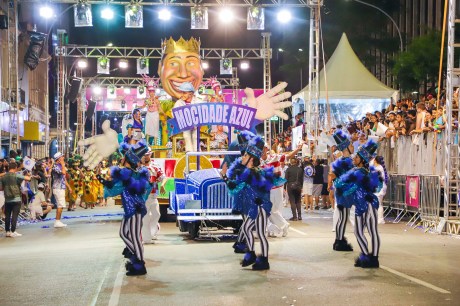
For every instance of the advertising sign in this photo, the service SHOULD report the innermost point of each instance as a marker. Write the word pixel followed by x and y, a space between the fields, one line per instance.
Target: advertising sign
pixel 413 191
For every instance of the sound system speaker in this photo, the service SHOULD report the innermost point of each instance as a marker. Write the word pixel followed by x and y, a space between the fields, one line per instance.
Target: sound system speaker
pixel 35 50
pixel 3 22
pixel 75 86
pixel 90 110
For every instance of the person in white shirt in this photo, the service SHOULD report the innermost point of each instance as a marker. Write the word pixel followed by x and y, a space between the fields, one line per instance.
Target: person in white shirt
pixel 38 203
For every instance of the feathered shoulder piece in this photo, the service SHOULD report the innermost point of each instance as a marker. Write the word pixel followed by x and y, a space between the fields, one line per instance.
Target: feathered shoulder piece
pixel 235 169
pixel 120 174
pixel 341 166
pixel 369 180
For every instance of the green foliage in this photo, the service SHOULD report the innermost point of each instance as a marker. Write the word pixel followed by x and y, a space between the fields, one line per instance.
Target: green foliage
pixel 420 63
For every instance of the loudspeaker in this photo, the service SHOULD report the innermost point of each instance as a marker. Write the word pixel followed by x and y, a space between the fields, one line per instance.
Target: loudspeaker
pixel 75 86
pixel 90 110
pixel 35 50
pixel 3 22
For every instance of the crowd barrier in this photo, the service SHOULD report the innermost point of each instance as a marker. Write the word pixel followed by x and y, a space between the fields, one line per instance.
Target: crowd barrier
pixel 420 154
pixel 414 196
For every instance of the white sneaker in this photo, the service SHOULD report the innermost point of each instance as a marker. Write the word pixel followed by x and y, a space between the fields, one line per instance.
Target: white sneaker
pixel 16 234
pixel 9 234
pixel 59 224
pixel 285 230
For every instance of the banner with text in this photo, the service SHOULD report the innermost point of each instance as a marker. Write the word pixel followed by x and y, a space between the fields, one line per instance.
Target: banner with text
pixel 190 116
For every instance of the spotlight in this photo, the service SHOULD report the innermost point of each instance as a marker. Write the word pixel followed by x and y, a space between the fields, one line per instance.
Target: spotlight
pixel 82 63
pixel 46 12
pixel 134 16
pixel 97 90
pixel 82 15
pixel 127 90
pixel 280 50
pixel 110 44
pixel 107 13
pixel 204 65
pixel 284 16
pixel 226 15
pixel 142 65
pixel 244 65
pixel 123 105
pixel 123 63
pixel 103 65
pixel 164 14
pixel 300 50
pixel 111 92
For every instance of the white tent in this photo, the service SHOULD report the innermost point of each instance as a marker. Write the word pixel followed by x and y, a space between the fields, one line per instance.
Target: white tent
pixel 349 83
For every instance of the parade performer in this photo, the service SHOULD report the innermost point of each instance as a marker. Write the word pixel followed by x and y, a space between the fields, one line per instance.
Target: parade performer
pixel 75 192
pixel 379 165
pixel 151 227
pixel 338 168
pixel 277 224
pixel 217 88
pixel 131 183
pixel 135 129
pixel 91 191
pixel 104 172
pixel 253 185
pixel 237 198
pixel 357 187
pixel 152 119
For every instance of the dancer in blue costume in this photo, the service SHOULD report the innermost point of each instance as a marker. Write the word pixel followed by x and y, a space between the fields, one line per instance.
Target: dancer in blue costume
pixel 131 183
pixel 251 185
pixel 338 168
pixel 357 187
pixel 240 144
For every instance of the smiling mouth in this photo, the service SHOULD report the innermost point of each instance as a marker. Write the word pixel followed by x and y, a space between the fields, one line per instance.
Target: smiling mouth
pixel 175 85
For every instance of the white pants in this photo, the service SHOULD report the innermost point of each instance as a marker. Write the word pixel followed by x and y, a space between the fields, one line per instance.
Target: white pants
pixel 35 210
pixel 381 219
pixel 150 225
pixel 276 221
pixel 190 136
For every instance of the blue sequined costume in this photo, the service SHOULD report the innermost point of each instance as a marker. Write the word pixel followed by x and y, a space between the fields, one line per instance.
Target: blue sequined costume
pixel 251 188
pixel 339 168
pixel 132 185
pixel 357 187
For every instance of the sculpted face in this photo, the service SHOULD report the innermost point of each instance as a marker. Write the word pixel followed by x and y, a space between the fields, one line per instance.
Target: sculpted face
pixel 177 68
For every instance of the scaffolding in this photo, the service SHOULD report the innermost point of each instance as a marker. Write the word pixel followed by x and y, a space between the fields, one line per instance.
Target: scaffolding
pixel 64 51
pixel 451 146
pixel 267 54
pixel 311 115
pixel 61 81
pixel 13 84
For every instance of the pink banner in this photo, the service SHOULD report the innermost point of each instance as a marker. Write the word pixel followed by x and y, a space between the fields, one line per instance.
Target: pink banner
pixel 413 191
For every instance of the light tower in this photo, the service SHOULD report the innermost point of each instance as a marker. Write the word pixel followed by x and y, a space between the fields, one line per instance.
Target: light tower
pixel 311 115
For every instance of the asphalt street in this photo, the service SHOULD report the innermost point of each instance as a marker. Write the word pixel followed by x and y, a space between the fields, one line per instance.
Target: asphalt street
pixel 82 265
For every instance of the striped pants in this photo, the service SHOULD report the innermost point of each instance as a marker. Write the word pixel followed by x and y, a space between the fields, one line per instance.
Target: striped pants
pixel 260 224
pixel 341 225
pixel 241 237
pixel 130 233
pixel 370 220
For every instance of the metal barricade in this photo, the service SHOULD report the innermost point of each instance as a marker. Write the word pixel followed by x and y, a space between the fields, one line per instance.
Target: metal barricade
pixel 397 194
pixel 430 201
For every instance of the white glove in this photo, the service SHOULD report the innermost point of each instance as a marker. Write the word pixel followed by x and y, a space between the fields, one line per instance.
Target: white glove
pixel 100 146
pixel 269 104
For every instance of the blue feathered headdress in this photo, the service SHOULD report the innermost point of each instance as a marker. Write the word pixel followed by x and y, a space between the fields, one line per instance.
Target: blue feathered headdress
pixel 243 139
pixel 255 146
pixel 367 151
pixel 341 139
pixel 133 153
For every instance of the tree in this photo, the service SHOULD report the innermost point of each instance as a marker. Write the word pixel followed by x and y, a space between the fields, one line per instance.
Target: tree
pixel 419 65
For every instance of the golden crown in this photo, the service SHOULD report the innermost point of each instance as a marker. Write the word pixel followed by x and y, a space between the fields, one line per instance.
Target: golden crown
pixel 171 46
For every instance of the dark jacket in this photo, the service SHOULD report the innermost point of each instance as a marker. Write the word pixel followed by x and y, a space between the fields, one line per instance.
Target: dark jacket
pixel 294 174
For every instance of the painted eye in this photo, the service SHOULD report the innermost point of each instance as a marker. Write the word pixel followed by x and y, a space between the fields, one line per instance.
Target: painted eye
pixel 174 65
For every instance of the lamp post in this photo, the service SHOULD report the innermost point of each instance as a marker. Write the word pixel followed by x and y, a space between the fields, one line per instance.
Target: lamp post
pixel 401 46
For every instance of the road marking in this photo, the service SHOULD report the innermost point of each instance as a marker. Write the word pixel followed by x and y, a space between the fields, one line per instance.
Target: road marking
pixel 415 280
pixel 297 231
pixel 99 287
pixel 114 298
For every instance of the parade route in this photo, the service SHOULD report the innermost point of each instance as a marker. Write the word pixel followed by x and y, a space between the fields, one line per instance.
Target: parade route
pixel 82 265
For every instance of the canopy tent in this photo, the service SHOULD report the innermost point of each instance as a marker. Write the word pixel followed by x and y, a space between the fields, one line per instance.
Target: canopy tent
pixel 348 83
